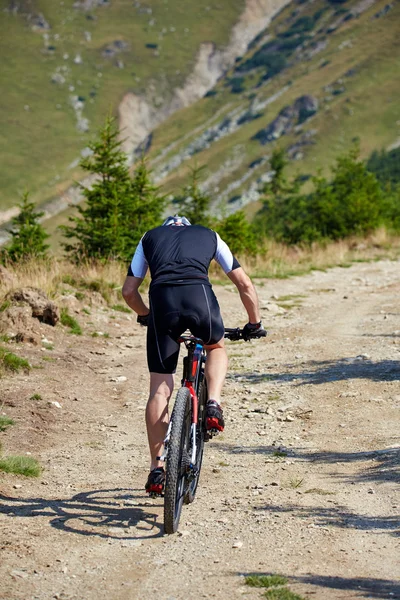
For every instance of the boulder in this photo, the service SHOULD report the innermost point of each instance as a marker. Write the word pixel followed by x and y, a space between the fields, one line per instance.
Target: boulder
pixel 41 307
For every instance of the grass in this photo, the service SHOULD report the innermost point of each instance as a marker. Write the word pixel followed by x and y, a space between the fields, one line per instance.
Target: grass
pixel 20 465
pixel 11 362
pixel 279 454
pixel 5 422
pixel 265 581
pixel 319 492
pixel 282 594
pixel 121 308
pixel 47 345
pixel 295 482
pixel 68 321
pixel 36 397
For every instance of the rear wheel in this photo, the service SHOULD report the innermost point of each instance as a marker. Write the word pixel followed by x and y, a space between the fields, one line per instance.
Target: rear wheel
pixel 178 461
pixel 200 439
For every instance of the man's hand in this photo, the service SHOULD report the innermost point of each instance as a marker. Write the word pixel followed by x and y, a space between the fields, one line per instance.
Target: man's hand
pixel 253 330
pixel 143 320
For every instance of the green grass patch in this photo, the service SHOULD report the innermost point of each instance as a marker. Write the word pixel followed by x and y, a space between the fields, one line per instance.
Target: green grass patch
pixel 5 338
pixel 12 362
pixel 20 465
pixel 265 581
pixel 47 359
pixel 282 594
pixel 121 308
pixel 279 454
pixel 5 305
pixel 79 296
pixel 36 397
pixel 319 492
pixel 5 422
pixel 47 346
pixel 68 321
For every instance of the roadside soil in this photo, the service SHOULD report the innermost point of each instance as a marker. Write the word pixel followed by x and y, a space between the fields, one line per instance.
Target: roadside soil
pixel 304 481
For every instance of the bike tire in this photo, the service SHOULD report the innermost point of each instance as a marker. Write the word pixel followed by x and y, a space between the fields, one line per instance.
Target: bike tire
pixel 200 440
pixel 177 460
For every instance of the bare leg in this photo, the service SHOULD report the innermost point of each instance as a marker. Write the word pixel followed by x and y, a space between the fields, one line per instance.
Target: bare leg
pixel 161 388
pixel 216 368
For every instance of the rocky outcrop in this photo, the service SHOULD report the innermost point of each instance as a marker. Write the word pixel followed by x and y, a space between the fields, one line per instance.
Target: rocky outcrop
pixel 41 307
pixel 290 116
pixel 138 116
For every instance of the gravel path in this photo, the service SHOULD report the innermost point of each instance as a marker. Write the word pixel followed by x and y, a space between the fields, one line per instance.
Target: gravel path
pixel 303 482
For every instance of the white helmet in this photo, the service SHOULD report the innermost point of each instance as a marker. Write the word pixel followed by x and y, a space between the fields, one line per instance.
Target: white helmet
pixel 177 220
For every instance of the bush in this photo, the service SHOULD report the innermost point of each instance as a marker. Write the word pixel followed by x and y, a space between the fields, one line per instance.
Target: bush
pixel 12 362
pixel 238 233
pixel 28 237
pixel 351 203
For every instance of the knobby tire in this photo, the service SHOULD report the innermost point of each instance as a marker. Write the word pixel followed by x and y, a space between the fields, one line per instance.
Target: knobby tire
pixel 200 439
pixel 177 461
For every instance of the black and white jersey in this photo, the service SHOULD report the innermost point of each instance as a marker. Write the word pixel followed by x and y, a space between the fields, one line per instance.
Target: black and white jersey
pixel 180 254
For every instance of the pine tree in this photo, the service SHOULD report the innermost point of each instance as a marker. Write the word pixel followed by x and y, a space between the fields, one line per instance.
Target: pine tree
pixel 117 210
pixel 238 233
pixel 28 237
pixel 193 203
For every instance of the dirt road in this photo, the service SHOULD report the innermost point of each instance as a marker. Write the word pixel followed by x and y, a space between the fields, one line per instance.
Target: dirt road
pixel 304 481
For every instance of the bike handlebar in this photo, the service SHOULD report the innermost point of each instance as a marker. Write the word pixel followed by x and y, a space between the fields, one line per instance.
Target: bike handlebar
pixel 237 334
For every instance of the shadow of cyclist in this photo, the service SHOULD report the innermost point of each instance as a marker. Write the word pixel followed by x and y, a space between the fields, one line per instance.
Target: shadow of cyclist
pixel 118 514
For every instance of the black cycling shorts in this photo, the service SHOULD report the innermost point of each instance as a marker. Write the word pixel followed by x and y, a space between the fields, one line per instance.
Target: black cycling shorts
pixel 173 310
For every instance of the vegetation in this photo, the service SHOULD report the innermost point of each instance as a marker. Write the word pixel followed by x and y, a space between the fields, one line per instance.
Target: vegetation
pixel 20 465
pixel 28 236
pixel 118 209
pixel 11 362
pixel 5 422
pixel 265 581
pixel 351 203
pixel 68 321
pixel 385 166
pixel 193 203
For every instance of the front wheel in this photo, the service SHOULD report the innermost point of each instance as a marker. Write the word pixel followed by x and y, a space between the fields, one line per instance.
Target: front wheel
pixel 178 460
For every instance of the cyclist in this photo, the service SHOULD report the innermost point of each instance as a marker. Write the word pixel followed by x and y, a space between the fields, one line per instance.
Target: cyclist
pixel 178 255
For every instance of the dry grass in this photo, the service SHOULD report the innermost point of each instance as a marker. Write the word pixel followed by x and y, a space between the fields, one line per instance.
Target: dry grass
pixel 281 261
pixel 276 261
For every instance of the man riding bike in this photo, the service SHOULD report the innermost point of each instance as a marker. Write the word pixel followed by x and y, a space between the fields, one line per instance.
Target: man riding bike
pixel 181 297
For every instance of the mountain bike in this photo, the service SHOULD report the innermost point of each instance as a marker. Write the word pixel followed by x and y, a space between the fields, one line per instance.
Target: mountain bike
pixel 187 433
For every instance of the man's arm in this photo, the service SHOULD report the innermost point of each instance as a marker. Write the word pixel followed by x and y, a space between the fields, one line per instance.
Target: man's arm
pixel 247 292
pixel 131 295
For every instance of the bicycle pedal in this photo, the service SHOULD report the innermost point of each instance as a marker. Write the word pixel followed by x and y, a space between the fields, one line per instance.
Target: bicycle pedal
pixel 155 490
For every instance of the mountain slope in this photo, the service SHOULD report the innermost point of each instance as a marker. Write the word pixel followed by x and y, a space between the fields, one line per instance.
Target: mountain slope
pixel 66 63
pixel 321 76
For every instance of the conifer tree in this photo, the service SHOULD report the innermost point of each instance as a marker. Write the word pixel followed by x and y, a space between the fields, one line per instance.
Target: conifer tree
pixel 117 209
pixel 193 203
pixel 28 235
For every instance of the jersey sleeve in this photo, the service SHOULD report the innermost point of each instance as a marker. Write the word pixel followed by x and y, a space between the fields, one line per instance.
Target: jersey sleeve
pixel 139 264
pixel 224 256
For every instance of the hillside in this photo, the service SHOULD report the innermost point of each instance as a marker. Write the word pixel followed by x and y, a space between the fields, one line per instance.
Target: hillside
pixel 219 85
pixel 323 75
pixel 65 64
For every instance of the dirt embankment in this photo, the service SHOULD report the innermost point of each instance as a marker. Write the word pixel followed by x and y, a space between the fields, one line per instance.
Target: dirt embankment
pixel 303 482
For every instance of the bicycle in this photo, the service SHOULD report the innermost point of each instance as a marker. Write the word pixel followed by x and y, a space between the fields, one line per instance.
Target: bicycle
pixel 187 433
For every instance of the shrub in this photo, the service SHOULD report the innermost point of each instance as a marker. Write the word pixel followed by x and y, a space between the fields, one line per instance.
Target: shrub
pixel 238 233
pixel 28 236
